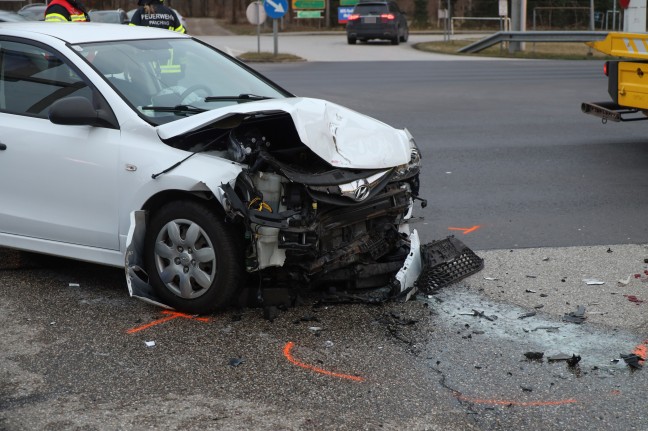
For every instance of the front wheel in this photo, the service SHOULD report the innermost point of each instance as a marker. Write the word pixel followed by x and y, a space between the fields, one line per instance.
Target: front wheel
pixel 351 40
pixel 193 260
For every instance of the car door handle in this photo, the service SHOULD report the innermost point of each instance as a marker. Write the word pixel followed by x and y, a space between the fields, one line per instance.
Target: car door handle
pixel 2 147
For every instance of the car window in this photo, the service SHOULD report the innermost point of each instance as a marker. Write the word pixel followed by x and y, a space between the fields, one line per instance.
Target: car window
pixel 32 78
pixel 371 9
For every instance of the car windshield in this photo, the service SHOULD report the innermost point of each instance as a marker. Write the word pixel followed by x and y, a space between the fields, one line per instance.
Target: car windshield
pixel 168 79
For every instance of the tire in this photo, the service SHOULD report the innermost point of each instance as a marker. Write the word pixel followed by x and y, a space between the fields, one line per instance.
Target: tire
pixel 351 40
pixel 396 39
pixel 405 35
pixel 194 261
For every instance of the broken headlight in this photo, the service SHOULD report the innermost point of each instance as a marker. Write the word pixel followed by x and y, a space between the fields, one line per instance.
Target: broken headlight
pixel 409 170
pixel 241 144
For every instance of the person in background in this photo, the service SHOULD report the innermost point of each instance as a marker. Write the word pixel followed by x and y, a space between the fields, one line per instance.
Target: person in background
pixel 152 13
pixel 65 11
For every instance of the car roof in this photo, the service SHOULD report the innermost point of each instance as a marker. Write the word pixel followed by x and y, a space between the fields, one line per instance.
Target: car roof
pixel 85 32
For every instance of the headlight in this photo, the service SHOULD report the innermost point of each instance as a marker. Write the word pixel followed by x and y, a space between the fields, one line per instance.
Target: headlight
pixel 409 170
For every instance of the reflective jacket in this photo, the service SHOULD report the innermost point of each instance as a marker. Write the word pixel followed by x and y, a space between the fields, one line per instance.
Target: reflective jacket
pixel 163 17
pixel 64 11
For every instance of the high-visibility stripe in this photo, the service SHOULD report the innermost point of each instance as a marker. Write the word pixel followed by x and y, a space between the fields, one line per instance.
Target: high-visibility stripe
pixel 55 17
pixel 629 45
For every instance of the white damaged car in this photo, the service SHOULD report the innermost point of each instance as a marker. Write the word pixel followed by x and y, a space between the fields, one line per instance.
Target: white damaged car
pixel 153 151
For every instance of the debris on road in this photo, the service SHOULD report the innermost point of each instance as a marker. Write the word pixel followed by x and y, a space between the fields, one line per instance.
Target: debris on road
pixel 577 316
pixel 445 262
pixel 149 343
pixel 235 362
pixel 593 281
pixel 534 356
pixel 572 360
pixel 633 298
pixel 478 313
pixel 632 360
pixel 525 315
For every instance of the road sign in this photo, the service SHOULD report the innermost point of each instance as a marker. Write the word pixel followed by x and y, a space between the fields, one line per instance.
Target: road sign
pixel 343 14
pixel 275 8
pixel 348 2
pixel 309 14
pixel 255 13
pixel 308 4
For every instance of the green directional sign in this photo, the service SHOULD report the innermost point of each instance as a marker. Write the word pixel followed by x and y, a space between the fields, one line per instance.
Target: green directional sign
pixel 309 14
pixel 308 4
pixel 348 2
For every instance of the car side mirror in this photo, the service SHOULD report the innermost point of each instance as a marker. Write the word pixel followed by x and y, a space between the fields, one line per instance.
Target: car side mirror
pixel 78 111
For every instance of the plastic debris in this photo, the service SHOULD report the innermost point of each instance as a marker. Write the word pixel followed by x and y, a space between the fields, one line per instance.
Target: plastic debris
pixel 328 344
pixel 490 278
pixel 571 360
pixel 149 343
pixel 74 285
pixel 632 360
pixel 530 291
pixel 624 282
pixel 235 362
pixel 534 356
pixel 577 316
pixel 593 281
pixel 478 313
pixel 525 315
pixel 445 262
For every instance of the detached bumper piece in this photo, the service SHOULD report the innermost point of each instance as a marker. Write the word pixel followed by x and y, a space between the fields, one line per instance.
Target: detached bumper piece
pixel 445 262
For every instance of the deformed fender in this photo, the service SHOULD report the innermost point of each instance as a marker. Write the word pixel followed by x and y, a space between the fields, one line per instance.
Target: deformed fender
pixel 411 269
pixel 136 276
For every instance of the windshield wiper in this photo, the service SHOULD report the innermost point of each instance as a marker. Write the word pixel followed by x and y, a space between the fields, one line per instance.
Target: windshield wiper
pixel 178 109
pixel 240 97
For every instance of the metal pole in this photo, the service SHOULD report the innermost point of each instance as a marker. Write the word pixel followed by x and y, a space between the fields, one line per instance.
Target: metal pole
pixel 258 19
pixel 275 32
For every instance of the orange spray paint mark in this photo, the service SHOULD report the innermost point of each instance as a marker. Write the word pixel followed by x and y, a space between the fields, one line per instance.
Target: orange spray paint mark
pixel 170 316
pixel 517 403
pixel 641 350
pixel 287 351
pixel 465 230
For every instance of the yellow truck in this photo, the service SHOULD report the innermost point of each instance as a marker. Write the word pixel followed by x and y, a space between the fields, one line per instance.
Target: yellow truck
pixel 627 78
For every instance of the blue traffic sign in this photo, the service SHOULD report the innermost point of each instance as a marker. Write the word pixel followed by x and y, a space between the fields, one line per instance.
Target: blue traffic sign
pixel 275 8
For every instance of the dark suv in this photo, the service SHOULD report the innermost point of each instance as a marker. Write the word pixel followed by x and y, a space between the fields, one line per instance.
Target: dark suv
pixel 377 20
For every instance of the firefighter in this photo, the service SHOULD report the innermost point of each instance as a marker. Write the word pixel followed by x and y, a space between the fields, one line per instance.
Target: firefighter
pixel 65 11
pixel 153 13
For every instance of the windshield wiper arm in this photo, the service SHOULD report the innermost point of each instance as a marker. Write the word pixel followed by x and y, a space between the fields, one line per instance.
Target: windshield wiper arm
pixel 180 109
pixel 248 97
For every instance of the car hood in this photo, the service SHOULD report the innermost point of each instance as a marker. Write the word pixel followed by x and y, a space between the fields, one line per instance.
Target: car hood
pixel 342 137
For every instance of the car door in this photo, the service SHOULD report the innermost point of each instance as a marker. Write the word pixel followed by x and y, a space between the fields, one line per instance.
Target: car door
pixel 57 182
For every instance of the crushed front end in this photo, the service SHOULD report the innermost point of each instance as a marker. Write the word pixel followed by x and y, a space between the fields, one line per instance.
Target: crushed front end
pixel 311 224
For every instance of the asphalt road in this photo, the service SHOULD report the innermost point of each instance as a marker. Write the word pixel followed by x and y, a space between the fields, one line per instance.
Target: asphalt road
pixel 553 197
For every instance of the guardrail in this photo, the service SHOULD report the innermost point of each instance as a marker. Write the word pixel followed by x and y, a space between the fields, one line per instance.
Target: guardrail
pixel 533 36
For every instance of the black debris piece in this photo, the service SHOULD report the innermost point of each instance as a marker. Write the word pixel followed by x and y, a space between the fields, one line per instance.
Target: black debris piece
pixel 525 315
pixel 445 262
pixel 574 360
pixel 534 356
pixel 577 316
pixel 571 360
pixel 235 362
pixel 538 306
pixel 307 318
pixel 530 291
pixel 632 360
pixel 547 328
pixel 478 313
pixel 526 388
